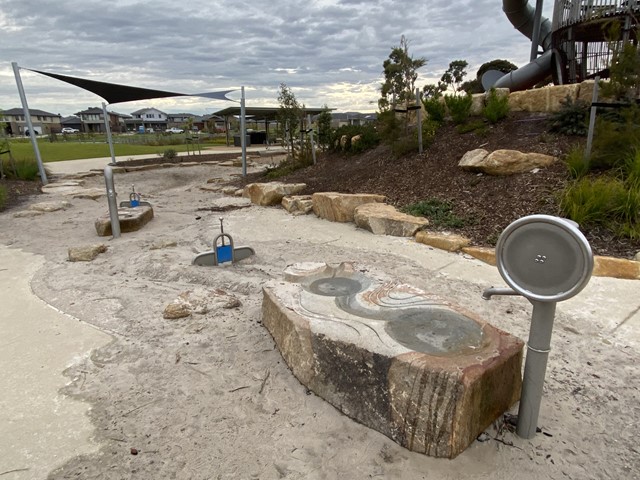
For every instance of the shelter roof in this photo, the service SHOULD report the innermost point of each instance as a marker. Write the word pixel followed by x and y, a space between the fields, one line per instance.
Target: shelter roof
pixel 263 113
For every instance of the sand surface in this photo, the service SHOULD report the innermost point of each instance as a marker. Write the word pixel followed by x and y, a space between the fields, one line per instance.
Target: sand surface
pixel 209 396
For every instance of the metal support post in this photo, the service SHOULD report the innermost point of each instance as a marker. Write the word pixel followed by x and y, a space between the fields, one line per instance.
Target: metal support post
pixel 27 117
pixel 535 36
pixel 111 198
pixel 535 367
pixel 243 133
pixel 419 119
pixel 107 126
pixel 592 119
pixel 313 144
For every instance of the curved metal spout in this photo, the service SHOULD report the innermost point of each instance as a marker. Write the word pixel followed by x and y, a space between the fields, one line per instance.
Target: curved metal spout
pixel 490 292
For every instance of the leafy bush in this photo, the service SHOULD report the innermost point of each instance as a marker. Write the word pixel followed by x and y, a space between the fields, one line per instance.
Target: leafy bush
pixel 437 211
pixel 496 108
pixel 572 118
pixel 3 196
pixel 459 107
pixel 169 154
pixel 577 164
pixel 435 108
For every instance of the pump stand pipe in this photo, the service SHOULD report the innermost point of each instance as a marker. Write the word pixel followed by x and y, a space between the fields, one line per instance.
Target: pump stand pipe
pixel 535 367
pixel 111 198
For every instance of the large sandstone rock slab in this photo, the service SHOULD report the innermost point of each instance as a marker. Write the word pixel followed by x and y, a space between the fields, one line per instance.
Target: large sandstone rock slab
pixel 131 219
pixel 383 219
pixel 504 162
pixel 264 194
pixel 417 368
pixel 340 207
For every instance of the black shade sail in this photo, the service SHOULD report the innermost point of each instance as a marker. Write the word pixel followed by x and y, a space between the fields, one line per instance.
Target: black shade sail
pixel 115 93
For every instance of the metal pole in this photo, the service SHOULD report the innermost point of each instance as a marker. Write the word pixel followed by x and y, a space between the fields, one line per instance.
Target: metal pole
pixel 243 133
pixel 592 119
pixel 535 367
pixel 419 118
pixel 535 36
pixel 27 117
pixel 107 127
pixel 313 144
pixel 111 198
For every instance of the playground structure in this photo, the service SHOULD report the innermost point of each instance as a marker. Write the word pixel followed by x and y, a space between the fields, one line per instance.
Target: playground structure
pixel 576 43
pixel 223 251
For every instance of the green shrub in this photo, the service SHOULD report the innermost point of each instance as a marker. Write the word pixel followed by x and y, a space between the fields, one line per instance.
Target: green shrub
pixel 368 138
pixel 604 201
pixel 577 164
pixel 632 168
pixel 3 196
pixel 288 166
pixel 477 126
pixel 459 107
pixel 496 108
pixel 572 118
pixel 437 211
pixel 169 154
pixel 616 137
pixel 435 108
pixel 27 169
pixel 405 145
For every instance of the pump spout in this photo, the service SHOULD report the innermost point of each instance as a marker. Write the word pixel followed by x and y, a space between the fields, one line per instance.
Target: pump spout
pixel 490 292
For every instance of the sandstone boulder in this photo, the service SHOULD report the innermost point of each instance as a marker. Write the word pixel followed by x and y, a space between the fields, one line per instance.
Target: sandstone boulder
pixel 472 159
pixel 264 194
pixel 382 219
pixel 442 240
pixel 131 219
pixel 86 253
pixel 477 104
pixel 484 254
pixel 353 346
pixel 340 207
pixel 504 162
pixel 616 268
pixel 298 204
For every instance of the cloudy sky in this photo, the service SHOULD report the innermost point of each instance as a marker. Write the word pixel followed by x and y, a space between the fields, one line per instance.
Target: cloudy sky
pixel 327 51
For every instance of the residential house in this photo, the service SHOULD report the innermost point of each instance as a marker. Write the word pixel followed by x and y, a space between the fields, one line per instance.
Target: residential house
pixel 72 121
pixel 43 122
pixel 92 121
pixel 213 124
pixel 351 118
pixel 181 120
pixel 149 118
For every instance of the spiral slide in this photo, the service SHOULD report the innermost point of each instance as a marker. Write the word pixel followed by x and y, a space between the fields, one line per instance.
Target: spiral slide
pixel 522 16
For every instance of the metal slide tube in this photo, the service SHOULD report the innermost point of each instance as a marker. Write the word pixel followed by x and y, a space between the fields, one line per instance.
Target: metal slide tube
pixel 111 198
pixel 523 17
pixel 535 367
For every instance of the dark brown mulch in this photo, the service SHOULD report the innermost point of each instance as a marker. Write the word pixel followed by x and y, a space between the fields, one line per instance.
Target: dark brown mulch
pixel 18 192
pixel 487 203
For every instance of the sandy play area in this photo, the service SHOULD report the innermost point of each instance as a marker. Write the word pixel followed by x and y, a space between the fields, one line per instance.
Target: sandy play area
pixel 208 396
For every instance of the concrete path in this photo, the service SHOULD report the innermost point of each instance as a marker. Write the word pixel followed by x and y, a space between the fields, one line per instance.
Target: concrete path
pixel 41 428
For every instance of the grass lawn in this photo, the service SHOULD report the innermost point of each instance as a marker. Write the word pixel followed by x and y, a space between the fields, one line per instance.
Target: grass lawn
pixel 55 152
pixel 70 150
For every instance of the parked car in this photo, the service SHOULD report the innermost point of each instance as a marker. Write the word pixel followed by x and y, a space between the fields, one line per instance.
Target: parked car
pixel 175 130
pixel 70 130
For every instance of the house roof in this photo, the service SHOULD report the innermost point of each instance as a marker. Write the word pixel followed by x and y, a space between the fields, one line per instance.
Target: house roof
pixel 142 110
pixel 32 111
pixel 90 111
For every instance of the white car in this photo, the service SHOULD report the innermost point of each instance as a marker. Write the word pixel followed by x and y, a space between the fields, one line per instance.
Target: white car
pixel 175 130
pixel 70 130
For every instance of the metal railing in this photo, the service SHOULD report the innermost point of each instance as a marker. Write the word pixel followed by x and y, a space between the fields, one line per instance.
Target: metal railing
pixel 571 12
